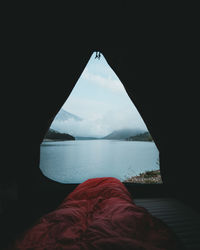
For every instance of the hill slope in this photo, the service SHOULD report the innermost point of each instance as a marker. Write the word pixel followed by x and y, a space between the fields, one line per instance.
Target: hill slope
pixel 141 137
pixel 123 134
pixel 55 135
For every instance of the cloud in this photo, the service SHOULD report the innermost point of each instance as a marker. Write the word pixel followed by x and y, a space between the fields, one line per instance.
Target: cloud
pixel 106 82
pixel 102 111
pixel 86 108
pixel 89 127
pixel 99 125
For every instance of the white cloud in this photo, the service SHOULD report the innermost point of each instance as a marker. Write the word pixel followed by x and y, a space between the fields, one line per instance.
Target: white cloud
pixel 84 107
pixel 89 127
pixel 99 125
pixel 102 111
pixel 105 82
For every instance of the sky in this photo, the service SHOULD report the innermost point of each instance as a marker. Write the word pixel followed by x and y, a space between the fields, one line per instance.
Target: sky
pixel 102 102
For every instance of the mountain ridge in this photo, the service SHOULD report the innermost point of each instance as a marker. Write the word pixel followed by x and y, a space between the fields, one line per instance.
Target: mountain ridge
pixel 64 115
pixel 123 134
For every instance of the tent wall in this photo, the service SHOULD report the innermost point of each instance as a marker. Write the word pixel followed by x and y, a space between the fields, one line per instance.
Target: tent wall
pixel 158 77
pixel 154 80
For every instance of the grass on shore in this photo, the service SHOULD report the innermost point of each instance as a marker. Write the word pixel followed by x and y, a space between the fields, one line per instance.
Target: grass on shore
pixel 148 177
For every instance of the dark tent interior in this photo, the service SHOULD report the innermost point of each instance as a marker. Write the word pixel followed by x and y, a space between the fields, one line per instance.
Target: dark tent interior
pixel 157 71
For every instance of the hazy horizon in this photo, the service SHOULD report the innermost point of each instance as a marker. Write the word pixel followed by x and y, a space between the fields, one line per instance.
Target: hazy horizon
pixel 102 102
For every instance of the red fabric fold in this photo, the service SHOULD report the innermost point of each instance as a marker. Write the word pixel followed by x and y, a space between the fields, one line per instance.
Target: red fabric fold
pixel 98 214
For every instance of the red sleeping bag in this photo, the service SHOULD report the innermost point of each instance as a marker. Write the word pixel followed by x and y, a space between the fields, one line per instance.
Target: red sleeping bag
pixel 98 214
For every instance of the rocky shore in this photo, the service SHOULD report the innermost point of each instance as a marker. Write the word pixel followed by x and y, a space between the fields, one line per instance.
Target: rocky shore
pixel 148 177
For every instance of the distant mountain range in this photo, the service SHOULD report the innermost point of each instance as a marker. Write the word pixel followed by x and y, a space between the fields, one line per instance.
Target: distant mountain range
pixel 63 115
pixel 123 134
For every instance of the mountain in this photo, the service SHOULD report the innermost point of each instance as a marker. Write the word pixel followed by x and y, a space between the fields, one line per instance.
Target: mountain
pixel 123 134
pixel 141 137
pixel 55 135
pixel 63 115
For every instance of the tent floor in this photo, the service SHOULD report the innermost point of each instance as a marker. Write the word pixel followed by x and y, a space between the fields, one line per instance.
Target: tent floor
pixel 182 219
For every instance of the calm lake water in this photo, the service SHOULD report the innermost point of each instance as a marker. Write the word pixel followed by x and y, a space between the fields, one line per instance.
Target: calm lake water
pixel 77 161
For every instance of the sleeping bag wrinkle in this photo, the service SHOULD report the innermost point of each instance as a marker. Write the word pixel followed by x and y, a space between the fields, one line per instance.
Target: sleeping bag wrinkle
pixel 98 215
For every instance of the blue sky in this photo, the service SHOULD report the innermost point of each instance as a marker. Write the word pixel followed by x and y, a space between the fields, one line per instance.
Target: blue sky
pixel 101 100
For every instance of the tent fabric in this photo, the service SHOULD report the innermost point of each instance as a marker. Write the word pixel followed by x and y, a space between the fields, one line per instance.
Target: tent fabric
pixel 98 214
pixel 172 211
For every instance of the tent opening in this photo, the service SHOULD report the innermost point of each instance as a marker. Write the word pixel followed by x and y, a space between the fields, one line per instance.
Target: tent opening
pixel 98 132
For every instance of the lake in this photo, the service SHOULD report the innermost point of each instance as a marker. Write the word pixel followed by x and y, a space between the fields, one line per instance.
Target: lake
pixel 77 161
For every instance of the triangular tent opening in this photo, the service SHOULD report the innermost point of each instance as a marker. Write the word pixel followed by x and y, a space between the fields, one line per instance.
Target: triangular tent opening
pixel 98 132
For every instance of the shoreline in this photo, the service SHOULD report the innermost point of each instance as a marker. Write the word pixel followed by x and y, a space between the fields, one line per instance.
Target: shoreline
pixel 148 177
pixel 54 140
